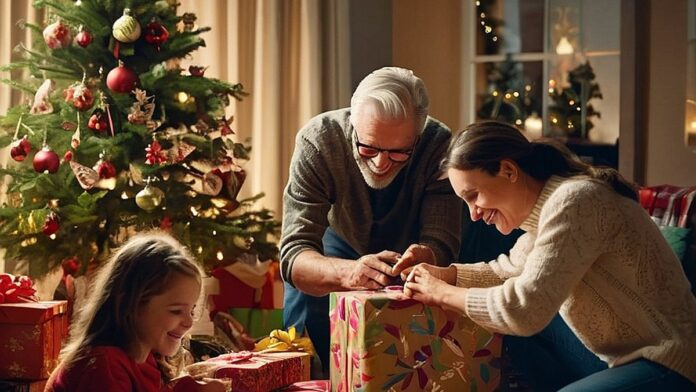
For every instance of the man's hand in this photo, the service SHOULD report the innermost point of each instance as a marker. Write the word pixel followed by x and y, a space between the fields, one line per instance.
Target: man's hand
pixel 415 254
pixel 372 271
pixel 446 274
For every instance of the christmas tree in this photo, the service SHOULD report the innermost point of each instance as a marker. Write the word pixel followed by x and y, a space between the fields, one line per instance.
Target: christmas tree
pixel 509 97
pixel 570 111
pixel 119 138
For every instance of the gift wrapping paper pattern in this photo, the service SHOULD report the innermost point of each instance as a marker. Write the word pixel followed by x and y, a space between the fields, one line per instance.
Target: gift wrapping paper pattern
pixel 31 335
pixel 383 341
pixel 265 371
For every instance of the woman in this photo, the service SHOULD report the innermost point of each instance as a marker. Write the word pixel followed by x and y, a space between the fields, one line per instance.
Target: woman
pixel 590 253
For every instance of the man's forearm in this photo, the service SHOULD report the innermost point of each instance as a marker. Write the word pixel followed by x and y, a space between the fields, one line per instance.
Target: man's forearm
pixel 318 275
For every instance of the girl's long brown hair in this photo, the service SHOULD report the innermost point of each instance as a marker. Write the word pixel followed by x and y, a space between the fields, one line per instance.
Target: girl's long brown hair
pixel 140 269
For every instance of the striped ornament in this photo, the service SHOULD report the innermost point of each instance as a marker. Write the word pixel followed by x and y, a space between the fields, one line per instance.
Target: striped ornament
pixel 126 28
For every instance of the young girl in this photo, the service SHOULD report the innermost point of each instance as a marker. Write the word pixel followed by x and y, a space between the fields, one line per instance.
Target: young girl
pixel 141 306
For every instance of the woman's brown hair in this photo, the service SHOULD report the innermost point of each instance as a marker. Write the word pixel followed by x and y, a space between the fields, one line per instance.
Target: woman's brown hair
pixel 482 145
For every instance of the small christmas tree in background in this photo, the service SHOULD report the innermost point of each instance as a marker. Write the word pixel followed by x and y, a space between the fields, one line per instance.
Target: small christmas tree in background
pixel 570 110
pixel 118 138
pixel 509 97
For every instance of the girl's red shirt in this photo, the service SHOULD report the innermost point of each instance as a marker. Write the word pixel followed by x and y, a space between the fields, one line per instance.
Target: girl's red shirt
pixel 107 369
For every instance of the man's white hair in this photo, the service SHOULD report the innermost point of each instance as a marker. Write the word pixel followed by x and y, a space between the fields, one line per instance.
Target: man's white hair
pixel 395 93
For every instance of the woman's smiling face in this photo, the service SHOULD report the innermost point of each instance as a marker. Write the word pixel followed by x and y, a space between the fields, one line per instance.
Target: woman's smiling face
pixel 500 199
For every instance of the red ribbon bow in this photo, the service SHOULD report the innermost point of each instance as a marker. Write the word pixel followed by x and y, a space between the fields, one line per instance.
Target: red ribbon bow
pixel 15 289
pixel 234 357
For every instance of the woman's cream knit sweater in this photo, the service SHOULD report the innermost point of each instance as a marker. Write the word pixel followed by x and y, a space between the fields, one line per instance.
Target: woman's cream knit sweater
pixel 598 259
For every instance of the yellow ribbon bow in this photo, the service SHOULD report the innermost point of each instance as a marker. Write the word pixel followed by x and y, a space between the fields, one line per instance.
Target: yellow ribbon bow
pixel 279 341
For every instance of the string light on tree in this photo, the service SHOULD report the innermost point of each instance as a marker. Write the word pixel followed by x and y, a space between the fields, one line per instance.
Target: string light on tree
pixel 99 116
pixel 511 98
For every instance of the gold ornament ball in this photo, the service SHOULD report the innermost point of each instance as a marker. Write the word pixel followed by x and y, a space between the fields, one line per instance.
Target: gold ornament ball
pixel 126 28
pixel 149 198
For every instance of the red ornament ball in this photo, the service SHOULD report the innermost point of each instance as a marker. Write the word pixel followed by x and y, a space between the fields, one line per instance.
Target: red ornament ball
pixel 83 38
pixel 67 157
pixel 156 34
pixel 80 96
pixel 52 224
pixel 20 149
pixel 46 160
pixel 97 122
pixel 122 79
pixel 57 35
pixel 105 169
pixel 197 71
pixel 70 266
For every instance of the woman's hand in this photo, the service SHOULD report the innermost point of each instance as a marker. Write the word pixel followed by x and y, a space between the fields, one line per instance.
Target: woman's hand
pixel 415 254
pixel 424 287
pixel 446 274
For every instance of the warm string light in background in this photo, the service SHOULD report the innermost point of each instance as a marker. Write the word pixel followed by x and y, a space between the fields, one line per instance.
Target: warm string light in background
pixel 487 29
pixel 513 95
pixel 690 122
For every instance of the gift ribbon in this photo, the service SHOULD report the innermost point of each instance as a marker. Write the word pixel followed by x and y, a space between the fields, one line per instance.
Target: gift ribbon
pixel 208 367
pixel 14 289
pixel 284 341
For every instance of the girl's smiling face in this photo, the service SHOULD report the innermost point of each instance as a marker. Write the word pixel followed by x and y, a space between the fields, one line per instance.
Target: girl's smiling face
pixel 166 317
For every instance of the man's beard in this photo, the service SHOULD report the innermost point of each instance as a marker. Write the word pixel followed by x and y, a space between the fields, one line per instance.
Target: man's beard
pixel 369 176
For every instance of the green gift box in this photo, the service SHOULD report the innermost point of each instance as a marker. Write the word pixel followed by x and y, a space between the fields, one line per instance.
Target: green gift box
pixel 257 322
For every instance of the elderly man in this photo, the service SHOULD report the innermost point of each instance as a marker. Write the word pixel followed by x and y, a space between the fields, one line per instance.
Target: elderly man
pixel 365 199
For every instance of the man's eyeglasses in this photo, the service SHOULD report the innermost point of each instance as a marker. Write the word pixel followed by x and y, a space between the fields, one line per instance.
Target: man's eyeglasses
pixel 396 155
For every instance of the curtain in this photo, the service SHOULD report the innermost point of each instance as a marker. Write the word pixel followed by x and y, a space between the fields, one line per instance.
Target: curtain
pixel 292 56
pixel 12 35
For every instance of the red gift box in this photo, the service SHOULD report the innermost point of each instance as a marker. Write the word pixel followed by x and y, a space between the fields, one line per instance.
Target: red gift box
pixel 32 335
pixel 235 293
pixel 256 371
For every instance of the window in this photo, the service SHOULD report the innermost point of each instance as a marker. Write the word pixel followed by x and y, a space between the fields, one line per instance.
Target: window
pixel 549 66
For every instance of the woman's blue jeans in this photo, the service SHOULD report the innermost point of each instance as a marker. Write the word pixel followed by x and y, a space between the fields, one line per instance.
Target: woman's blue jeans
pixel 555 359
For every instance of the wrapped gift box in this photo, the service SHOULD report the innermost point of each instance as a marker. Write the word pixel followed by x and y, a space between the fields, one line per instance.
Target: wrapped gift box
pixel 32 334
pixel 383 341
pixel 243 286
pixel 258 322
pixel 255 371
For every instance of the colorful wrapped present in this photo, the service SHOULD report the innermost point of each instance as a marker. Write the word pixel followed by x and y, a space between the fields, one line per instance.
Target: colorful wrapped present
pixel 255 371
pixel 32 334
pixel 383 341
